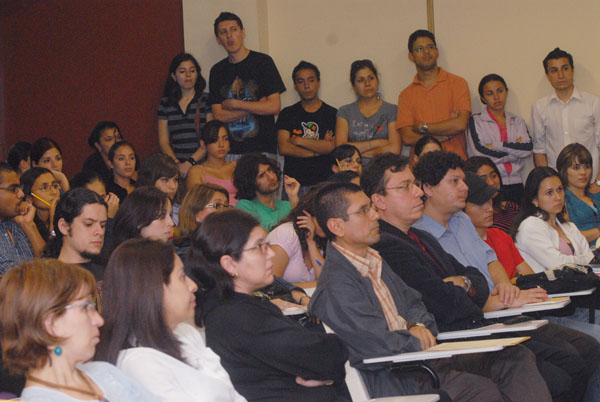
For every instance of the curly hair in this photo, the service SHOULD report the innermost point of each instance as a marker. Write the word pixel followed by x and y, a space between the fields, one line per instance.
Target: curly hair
pixel 246 170
pixel 433 166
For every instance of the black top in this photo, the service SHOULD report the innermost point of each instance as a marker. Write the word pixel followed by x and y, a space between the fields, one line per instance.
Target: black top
pixel 452 307
pixel 263 351
pixel 299 122
pixel 251 79
pixel 95 163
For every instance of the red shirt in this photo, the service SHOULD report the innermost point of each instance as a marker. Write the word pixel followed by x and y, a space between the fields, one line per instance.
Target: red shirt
pixel 505 249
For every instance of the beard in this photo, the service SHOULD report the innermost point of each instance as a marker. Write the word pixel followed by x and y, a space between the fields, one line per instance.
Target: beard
pixel 88 255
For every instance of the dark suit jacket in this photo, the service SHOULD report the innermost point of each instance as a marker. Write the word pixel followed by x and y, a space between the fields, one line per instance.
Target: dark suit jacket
pixel 452 307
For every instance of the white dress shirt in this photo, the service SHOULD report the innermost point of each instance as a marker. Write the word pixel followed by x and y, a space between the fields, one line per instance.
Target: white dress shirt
pixel 556 124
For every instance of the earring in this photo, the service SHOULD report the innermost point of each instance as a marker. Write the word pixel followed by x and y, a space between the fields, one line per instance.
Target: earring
pixel 235 276
pixel 58 351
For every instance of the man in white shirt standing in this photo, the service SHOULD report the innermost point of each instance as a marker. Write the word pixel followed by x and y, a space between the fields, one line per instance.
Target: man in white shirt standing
pixel 567 116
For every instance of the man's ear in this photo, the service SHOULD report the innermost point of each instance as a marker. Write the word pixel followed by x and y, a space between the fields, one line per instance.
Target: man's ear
pixel 336 226
pixel 428 189
pixel 63 226
pixel 229 265
pixel 411 57
pixel 379 202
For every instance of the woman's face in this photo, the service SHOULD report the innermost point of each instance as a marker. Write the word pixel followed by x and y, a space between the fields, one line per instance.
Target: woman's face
pixel 353 163
pixel 218 202
pixel 579 174
pixel 108 138
pixel 185 75
pixel 254 268
pixel 47 188
pixel 551 196
pixel 490 176
pixel 366 83
pixel 168 185
pixel 79 325
pixel 178 296
pixel 494 95
pixel 97 187
pixel 160 229
pixel 123 162
pixel 51 159
pixel 220 148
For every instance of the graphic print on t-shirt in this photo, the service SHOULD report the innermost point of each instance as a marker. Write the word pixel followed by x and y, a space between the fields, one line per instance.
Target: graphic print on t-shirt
pixel 364 130
pixel 310 130
pixel 246 127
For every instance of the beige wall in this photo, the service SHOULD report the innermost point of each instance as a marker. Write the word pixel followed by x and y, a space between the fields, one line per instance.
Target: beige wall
pixel 475 38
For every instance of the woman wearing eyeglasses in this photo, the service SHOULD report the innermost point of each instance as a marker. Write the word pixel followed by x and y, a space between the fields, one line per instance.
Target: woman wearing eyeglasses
pixel 269 357
pixel 49 331
pixel 42 190
pixel 200 201
pixel 214 169
pixel 369 123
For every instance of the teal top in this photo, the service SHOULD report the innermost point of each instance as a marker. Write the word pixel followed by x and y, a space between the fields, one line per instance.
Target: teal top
pixel 268 217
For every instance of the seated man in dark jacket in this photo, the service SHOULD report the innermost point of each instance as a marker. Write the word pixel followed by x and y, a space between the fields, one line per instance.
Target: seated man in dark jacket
pixel 458 295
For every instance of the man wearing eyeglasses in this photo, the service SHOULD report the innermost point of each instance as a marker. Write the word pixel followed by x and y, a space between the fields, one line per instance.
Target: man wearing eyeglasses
pixel 436 103
pixel 377 314
pixel 19 238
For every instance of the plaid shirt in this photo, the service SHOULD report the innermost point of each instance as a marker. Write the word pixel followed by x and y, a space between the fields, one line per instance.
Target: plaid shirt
pixel 14 245
pixel 370 267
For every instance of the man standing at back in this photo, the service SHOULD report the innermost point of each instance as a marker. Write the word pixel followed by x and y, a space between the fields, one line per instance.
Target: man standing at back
pixel 566 116
pixel 436 103
pixel 244 90
pixel 305 129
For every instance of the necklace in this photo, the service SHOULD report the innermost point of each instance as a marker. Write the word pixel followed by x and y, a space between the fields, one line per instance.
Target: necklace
pixel 92 393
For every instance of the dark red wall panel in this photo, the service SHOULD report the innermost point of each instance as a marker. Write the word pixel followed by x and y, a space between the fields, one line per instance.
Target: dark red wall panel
pixel 67 64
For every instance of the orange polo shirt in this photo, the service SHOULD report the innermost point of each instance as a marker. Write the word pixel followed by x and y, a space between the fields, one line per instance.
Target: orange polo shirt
pixel 432 105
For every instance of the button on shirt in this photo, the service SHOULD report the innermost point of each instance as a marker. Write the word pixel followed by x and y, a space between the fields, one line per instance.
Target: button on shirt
pixel 462 242
pixel 14 245
pixel 370 267
pixel 556 124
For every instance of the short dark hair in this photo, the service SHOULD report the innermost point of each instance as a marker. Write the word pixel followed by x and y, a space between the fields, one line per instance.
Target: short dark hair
pixel 246 170
pixel 142 206
pixel 305 65
pixel 223 233
pixel 172 90
pixel 433 166
pixel 331 202
pixel 420 144
pixel 68 208
pixel 557 53
pixel 489 78
pixel 116 146
pixel 474 163
pixel 419 33
pixel 373 176
pixel 94 137
pixel 227 16
pixel 133 306
pixel 568 156
pixel 530 192
pixel 5 167
pixel 210 132
pixel 345 176
pixel 154 167
pixel 18 152
pixel 358 65
pixel 39 148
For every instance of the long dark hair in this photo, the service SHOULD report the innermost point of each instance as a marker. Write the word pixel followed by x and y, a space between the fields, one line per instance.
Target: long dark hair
pixel 27 181
pixel 172 90
pixel 39 148
pixel 140 208
pixel 474 163
pixel 570 155
pixel 532 187
pixel 133 308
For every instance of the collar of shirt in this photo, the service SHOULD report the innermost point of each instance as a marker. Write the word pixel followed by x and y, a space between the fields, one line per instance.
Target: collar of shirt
pixel 485 116
pixel 431 226
pixel 371 263
pixel 442 76
pixel 575 95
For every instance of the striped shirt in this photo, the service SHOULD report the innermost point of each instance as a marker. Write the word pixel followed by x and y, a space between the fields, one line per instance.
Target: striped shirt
pixel 14 245
pixel 370 267
pixel 182 126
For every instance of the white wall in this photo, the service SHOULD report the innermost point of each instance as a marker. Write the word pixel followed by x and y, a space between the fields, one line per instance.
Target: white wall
pixel 475 38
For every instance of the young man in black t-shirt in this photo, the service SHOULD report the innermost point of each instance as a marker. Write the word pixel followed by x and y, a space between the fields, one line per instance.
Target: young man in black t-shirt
pixel 244 90
pixel 305 129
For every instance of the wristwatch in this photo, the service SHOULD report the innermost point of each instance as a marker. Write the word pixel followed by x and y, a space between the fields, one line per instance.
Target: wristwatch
pixel 424 129
pixel 468 283
pixel 416 324
pixel 191 160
